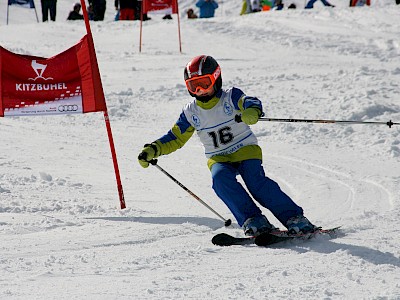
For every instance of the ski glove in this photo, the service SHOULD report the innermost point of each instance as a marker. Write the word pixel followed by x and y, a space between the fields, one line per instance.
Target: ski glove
pixel 250 115
pixel 148 153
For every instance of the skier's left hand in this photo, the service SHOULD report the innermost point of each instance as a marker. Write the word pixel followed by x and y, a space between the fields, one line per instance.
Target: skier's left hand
pixel 251 115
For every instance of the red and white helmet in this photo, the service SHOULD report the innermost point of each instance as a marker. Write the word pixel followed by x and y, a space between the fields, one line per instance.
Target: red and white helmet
pixel 203 76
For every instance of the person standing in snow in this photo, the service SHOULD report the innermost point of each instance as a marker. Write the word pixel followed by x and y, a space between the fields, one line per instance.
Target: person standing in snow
pixel 99 9
pixel 231 148
pixel 126 9
pixel 250 6
pixel 49 6
pixel 310 4
pixel 207 8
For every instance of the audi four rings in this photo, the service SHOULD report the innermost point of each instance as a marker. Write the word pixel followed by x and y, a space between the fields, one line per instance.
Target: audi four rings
pixel 71 107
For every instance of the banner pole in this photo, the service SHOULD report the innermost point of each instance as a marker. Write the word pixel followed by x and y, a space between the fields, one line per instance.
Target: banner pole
pixel 115 162
pixel 141 21
pixel 86 17
pixel 7 11
pixel 34 6
pixel 179 27
pixel 105 112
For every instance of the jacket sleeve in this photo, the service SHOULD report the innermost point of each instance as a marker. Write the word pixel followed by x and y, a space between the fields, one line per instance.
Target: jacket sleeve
pixel 249 101
pixel 180 133
pixel 241 101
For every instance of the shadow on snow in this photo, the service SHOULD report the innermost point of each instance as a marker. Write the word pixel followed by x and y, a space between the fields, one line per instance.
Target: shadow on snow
pixel 373 256
pixel 201 221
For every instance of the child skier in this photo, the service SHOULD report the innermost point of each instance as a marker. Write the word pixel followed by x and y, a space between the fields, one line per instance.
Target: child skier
pixel 231 148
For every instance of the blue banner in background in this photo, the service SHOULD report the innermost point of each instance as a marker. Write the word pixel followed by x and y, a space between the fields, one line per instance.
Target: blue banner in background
pixel 23 3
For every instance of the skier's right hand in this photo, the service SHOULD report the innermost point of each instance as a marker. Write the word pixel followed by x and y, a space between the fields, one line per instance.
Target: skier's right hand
pixel 148 153
pixel 251 115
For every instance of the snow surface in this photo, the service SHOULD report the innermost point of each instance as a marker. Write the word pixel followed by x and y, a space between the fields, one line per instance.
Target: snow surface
pixel 62 233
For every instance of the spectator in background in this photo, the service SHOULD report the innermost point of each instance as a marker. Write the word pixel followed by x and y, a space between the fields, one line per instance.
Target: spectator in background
pixel 255 6
pixel 49 6
pixel 360 2
pixel 243 11
pixel 126 9
pixel 252 6
pixel 207 8
pixel 74 14
pixel 116 17
pixel 191 14
pixel 310 4
pixel 266 4
pixel 279 5
pixel 90 12
pixel 99 9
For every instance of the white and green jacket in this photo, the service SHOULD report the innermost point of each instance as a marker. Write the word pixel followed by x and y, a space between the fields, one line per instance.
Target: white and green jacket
pixel 224 139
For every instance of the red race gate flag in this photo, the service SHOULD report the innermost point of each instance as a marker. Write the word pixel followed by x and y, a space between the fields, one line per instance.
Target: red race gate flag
pixel 63 84
pixel 160 6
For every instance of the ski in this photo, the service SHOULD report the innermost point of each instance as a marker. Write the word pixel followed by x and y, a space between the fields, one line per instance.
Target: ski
pixel 267 239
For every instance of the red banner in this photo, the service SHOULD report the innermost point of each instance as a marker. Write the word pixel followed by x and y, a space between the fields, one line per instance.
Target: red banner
pixel 66 83
pixel 160 6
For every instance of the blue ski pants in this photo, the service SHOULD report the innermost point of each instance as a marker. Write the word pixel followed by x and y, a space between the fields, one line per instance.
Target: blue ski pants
pixel 263 189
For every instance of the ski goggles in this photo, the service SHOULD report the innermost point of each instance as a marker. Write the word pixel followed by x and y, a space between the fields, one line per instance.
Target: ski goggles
pixel 203 84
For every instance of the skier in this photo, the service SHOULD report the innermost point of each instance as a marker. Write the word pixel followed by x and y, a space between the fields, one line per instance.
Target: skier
pixel 231 148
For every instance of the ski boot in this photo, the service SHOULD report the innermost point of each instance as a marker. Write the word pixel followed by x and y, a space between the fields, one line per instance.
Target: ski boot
pixel 256 225
pixel 300 224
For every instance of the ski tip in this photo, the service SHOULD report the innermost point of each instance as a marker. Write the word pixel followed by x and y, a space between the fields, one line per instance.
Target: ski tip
pixel 223 239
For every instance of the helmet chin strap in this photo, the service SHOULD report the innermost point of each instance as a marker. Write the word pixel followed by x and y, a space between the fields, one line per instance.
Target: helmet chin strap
pixel 205 99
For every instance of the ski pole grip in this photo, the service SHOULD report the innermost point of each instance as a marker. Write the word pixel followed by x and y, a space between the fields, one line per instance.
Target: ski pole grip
pixel 238 118
pixel 153 162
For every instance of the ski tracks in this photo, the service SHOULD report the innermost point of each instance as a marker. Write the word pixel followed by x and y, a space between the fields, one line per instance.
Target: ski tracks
pixel 340 193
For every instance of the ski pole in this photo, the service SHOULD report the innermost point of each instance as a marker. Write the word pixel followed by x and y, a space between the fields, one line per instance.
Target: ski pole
pixel 154 163
pixel 390 123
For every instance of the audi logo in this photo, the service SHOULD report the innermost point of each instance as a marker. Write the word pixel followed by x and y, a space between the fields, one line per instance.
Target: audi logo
pixel 64 108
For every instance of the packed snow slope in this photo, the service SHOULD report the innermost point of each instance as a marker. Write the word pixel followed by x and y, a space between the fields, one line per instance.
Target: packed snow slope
pixel 62 233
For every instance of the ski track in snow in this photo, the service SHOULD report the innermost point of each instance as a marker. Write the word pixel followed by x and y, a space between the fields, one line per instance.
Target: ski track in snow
pixel 357 192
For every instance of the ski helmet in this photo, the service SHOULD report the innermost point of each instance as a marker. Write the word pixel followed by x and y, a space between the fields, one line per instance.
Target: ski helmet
pixel 203 77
